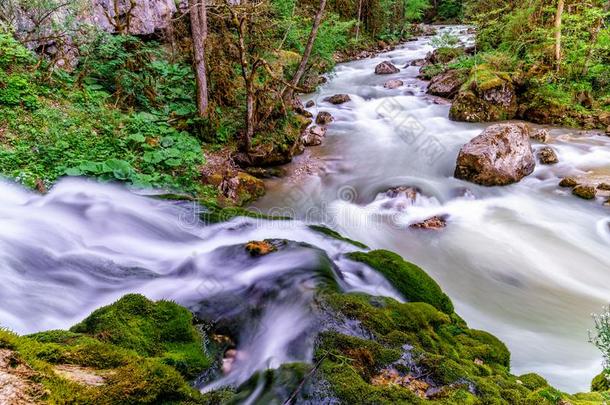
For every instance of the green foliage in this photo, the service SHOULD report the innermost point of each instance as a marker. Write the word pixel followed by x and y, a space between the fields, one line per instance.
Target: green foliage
pixel 450 10
pixel 411 281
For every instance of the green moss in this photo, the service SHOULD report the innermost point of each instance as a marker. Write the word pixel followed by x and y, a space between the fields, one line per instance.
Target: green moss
pixel 162 329
pixel 216 214
pixel 336 235
pixel 533 381
pixel 601 382
pixel 410 280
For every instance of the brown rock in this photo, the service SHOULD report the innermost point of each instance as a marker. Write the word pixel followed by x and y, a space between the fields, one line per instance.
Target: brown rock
pixel 338 99
pixel 386 68
pixel 540 135
pixel 434 222
pixel 603 186
pixel 260 248
pixel 584 191
pixel 547 156
pixel 447 84
pixel 568 182
pixel 313 136
pixel 324 118
pixel 500 155
pixel 393 84
pixel 310 104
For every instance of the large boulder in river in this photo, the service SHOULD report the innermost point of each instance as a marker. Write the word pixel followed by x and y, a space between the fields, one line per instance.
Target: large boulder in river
pixel 386 68
pixel 486 96
pixel 447 84
pixel 501 155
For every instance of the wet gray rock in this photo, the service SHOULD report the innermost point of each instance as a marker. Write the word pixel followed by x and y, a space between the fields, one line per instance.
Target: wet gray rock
pixel 393 84
pixel 313 136
pixel 447 84
pixel 386 68
pixel 500 155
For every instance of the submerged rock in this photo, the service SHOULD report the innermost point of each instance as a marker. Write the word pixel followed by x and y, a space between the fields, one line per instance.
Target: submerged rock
pixel 386 68
pixel 501 155
pixel 547 156
pixel 324 118
pixel 393 84
pixel 447 84
pixel 410 193
pixel 338 99
pixel 435 222
pixel 310 104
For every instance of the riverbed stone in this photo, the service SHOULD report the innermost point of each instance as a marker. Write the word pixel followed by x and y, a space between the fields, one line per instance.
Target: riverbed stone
pixel 500 155
pixel 386 68
pixel 584 191
pixel 435 222
pixel 313 136
pixel 324 118
pixel 447 84
pixel 310 104
pixel 393 84
pixel 338 99
pixel 540 135
pixel 547 156
pixel 568 182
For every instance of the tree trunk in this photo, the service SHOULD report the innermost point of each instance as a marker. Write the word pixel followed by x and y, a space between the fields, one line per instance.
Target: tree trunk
pixel 558 16
pixel 359 17
pixel 199 33
pixel 289 90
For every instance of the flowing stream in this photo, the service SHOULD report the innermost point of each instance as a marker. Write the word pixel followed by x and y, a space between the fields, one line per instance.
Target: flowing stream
pixel 528 262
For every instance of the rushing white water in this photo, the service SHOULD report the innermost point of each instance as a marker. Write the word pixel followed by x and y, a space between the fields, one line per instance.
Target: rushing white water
pixel 528 262
pixel 85 244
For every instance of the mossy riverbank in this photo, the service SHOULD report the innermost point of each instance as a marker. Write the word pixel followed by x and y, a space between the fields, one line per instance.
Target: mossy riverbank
pixel 367 350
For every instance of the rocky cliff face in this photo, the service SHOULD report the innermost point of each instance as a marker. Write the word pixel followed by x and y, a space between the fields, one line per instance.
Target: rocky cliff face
pixel 145 16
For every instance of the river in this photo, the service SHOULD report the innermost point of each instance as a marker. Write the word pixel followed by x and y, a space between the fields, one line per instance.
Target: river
pixel 528 262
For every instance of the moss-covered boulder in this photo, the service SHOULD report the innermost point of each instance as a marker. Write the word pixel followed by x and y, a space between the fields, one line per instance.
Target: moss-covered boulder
pixel 411 281
pixel 486 96
pixel 134 351
pixel 601 382
pixel 152 329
